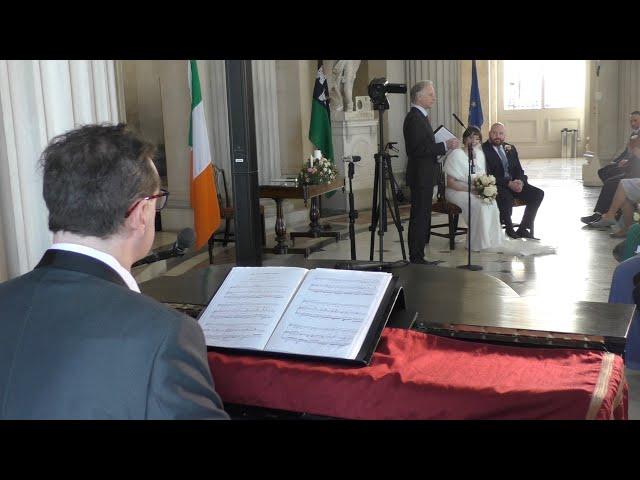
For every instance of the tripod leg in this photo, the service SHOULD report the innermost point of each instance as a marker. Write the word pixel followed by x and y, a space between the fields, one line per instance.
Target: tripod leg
pixel 395 213
pixel 374 214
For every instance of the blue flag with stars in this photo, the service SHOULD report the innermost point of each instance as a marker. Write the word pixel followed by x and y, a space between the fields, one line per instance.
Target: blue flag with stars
pixel 475 105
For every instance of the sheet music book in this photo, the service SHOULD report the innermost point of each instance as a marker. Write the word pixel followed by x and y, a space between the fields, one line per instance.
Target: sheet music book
pixel 291 311
pixel 442 134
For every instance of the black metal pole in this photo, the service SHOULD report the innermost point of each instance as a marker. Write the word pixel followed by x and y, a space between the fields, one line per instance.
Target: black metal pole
pixel 381 187
pixel 353 214
pixel 244 165
pixel 468 266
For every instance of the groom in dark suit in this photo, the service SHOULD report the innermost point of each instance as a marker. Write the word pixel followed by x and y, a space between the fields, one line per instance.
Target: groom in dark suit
pixel 77 338
pixel 422 153
pixel 504 164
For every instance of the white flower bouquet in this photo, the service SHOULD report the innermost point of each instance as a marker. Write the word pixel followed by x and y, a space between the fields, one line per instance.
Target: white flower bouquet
pixel 317 171
pixel 486 187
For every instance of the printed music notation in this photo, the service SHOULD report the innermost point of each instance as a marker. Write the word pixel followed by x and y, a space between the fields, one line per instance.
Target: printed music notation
pixel 318 312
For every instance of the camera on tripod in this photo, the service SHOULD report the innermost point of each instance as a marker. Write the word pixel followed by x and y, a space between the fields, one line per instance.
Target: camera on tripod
pixel 378 89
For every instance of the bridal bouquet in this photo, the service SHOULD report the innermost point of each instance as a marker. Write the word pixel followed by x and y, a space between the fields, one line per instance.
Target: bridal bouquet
pixel 317 171
pixel 486 187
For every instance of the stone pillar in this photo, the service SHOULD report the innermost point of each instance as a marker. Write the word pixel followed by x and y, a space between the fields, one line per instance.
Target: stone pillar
pixel 353 133
pixel 40 99
pixel 265 104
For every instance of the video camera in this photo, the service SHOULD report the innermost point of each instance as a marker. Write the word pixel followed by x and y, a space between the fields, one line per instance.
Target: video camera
pixel 378 89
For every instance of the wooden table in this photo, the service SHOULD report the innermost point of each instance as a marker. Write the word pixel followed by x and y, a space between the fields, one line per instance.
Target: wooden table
pixel 279 191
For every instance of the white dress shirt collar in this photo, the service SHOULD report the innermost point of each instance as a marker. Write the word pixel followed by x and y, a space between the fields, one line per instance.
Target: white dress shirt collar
pixel 423 110
pixel 103 257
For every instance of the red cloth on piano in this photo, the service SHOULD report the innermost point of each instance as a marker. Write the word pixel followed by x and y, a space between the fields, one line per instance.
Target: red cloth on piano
pixel 419 376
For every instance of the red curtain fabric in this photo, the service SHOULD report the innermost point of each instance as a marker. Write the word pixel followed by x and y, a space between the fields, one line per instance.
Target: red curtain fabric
pixel 419 376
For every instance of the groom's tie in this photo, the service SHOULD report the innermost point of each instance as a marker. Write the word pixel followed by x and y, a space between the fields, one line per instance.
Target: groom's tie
pixel 505 162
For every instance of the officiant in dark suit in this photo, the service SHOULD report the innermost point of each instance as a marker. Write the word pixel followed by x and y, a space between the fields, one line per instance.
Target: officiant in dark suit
pixel 77 338
pixel 422 153
pixel 504 164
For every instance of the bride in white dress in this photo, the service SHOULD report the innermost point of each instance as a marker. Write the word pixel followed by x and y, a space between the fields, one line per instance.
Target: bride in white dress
pixel 486 231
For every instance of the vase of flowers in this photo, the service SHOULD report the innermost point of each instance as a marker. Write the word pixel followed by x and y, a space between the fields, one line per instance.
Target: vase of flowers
pixel 486 187
pixel 317 170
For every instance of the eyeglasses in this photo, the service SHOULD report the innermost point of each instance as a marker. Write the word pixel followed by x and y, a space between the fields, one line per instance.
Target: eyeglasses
pixel 162 197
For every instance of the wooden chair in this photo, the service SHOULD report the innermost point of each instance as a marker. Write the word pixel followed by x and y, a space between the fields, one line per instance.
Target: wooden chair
pixel 441 205
pixel 227 213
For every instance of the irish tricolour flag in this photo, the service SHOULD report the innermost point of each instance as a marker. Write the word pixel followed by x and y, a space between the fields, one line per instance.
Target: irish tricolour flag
pixel 204 201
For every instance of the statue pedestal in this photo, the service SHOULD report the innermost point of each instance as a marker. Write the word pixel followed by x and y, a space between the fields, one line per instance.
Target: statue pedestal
pixel 590 169
pixel 354 133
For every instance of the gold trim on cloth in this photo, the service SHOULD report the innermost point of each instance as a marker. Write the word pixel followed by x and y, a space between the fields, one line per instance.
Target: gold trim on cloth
pixel 602 385
pixel 618 398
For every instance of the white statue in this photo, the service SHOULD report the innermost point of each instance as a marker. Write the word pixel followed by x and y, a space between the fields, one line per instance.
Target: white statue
pixel 342 74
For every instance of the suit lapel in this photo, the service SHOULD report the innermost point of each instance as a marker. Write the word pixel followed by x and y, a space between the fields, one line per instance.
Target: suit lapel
pixel 495 158
pixel 77 262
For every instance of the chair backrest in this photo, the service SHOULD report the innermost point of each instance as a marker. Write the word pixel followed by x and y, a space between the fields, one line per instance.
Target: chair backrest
pixel 622 281
pixel 440 179
pixel 220 180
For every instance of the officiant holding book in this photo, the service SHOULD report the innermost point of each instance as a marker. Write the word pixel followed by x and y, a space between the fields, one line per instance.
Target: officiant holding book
pixel 422 154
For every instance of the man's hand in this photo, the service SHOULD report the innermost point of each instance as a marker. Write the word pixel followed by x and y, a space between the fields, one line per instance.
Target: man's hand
pixel 515 185
pixel 452 143
pixel 623 162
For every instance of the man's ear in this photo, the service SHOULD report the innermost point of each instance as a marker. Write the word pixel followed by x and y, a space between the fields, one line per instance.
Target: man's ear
pixel 137 219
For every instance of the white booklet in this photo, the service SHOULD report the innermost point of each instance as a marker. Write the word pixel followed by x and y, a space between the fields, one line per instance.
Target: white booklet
pixel 442 134
pixel 320 312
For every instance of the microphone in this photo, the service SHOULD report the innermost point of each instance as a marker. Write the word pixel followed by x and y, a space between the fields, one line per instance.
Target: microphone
pixel 473 166
pixel 459 121
pixel 186 239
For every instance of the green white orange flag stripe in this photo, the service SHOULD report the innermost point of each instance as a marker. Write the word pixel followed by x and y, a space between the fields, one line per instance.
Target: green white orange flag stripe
pixel 204 199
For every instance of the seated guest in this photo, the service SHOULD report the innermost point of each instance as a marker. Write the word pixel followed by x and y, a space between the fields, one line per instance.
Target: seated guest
pixel 619 164
pixel 625 165
pixel 626 197
pixel 485 217
pixel 504 164
pixel 78 340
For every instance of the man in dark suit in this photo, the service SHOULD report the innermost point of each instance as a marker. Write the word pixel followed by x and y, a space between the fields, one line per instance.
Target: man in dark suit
pixel 77 339
pixel 422 153
pixel 504 164
pixel 624 165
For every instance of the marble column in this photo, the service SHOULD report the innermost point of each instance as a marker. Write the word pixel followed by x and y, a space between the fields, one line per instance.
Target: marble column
pixel 40 99
pixel 628 97
pixel 265 104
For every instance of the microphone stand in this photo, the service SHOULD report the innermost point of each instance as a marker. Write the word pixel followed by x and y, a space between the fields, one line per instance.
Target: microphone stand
pixel 468 266
pixel 353 213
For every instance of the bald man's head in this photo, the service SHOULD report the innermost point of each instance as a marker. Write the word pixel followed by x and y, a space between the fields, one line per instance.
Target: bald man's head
pixel 496 134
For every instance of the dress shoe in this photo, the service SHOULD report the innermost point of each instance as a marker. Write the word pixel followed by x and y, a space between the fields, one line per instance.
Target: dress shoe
pixel 511 233
pixel 422 261
pixel 591 218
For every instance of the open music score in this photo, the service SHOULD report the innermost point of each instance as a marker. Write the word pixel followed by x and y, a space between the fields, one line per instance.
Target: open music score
pixel 321 312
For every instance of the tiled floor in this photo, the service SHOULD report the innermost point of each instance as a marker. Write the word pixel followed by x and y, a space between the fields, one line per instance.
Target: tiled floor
pixel 581 269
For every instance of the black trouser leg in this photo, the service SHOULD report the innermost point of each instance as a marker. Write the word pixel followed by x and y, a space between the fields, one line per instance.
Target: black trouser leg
pixel 608 171
pixel 606 195
pixel 532 196
pixel 505 205
pixel 420 211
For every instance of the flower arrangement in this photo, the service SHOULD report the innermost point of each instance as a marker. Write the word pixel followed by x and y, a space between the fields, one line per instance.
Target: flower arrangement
pixel 486 187
pixel 317 171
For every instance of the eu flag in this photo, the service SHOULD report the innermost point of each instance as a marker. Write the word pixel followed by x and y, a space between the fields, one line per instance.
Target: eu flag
pixel 475 105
